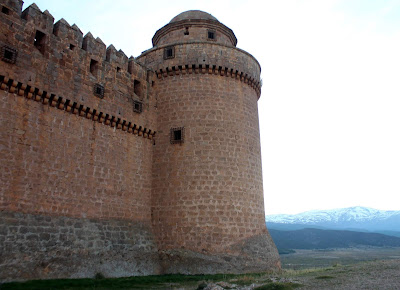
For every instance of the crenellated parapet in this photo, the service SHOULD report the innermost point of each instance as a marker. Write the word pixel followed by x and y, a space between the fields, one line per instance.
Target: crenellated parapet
pixel 57 57
pixel 94 114
pixel 204 57
pixel 87 186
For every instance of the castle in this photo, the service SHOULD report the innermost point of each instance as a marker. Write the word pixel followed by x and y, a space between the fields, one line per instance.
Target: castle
pixel 128 166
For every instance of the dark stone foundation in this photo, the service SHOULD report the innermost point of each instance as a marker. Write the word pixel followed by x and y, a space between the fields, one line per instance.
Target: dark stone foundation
pixel 47 247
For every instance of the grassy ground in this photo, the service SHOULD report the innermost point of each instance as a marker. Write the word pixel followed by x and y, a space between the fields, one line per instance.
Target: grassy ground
pixel 345 272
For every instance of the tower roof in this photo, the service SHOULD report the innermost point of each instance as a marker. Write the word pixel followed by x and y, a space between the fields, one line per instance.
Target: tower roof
pixel 199 23
pixel 193 14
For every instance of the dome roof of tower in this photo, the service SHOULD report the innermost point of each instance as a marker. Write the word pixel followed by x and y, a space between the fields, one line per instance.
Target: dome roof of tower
pixel 193 14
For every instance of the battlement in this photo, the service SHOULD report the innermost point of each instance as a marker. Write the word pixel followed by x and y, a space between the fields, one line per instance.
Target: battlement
pixel 88 186
pixel 71 35
pixel 57 57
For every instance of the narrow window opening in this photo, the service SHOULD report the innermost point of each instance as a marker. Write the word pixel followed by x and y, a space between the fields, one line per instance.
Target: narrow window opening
pixel 118 69
pixel 71 47
pixel 40 41
pixel 93 66
pixel 5 10
pixel 177 135
pixel 137 88
pixel 169 52
pixel 211 35
pixel 137 107
pixel 186 31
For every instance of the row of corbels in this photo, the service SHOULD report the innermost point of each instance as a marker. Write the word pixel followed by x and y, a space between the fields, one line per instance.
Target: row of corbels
pixel 60 103
pixel 210 69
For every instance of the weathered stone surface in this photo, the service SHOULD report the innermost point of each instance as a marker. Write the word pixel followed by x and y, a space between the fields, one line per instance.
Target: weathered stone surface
pixel 88 186
pixel 207 198
pixel 58 247
pixel 255 254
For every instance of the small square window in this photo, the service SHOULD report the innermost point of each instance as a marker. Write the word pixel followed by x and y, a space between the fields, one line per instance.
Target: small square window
pixel 5 10
pixel 169 52
pixel 71 47
pixel 98 91
pixel 177 135
pixel 211 34
pixel 137 106
pixel 40 41
pixel 8 54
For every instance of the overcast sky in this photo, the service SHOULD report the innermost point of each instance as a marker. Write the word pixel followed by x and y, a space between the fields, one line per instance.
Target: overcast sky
pixel 330 104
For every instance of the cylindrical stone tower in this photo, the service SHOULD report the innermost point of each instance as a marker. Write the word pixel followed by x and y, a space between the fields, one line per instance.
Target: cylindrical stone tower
pixel 207 198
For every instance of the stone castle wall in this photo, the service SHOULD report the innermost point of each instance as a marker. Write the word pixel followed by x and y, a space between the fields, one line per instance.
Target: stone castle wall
pixel 76 164
pixel 88 186
pixel 207 196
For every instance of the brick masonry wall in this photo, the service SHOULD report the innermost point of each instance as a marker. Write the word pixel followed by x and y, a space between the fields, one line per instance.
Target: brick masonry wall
pixel 216 56
pixel 58 165
pixel 207 200
pixel 194 31
pixel 43 247
pixel 87 185
pixel 207 192
pixel 64 71
pixel 75 193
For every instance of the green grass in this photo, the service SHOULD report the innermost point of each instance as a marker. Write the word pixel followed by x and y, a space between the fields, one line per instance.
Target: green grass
pixel 141 282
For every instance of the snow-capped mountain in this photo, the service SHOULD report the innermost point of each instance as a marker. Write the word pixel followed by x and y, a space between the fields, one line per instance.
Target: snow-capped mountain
pixel 361 218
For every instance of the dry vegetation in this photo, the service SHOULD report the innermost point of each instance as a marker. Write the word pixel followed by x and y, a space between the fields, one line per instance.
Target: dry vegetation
pixel 354 274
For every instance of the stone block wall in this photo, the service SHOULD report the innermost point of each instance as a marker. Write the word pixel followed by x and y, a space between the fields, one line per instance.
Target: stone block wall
pixel 87 186
pixel 77 125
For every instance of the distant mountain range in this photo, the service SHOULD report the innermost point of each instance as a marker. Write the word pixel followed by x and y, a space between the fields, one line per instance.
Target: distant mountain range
pixel 353 218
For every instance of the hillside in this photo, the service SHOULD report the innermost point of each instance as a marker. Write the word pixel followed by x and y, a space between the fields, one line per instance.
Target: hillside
pixel 325 239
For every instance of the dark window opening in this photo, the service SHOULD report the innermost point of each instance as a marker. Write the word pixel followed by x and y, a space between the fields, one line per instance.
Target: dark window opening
pixel 93 66
pixel 118 69
pixel 40 41
pixel 169 52
pixel 98 91
pixel 211 34
pixel 186 31
pixel 137 106
pixel 71 47
pixel 177 135
pixel 137 89
pixel 8 54
pixel 5 10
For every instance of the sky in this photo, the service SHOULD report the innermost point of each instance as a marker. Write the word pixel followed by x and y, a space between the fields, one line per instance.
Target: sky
pixel 330 104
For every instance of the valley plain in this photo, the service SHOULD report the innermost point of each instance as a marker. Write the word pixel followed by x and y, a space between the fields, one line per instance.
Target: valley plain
pixel 306 259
